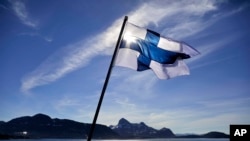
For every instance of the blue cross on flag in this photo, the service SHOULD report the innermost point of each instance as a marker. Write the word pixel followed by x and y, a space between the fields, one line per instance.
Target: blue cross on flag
pixel 142 49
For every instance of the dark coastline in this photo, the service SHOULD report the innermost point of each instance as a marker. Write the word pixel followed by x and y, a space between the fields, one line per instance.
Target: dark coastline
pixel 41 126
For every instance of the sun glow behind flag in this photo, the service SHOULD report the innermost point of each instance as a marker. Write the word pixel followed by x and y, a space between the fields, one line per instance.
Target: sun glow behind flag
pixel 142 49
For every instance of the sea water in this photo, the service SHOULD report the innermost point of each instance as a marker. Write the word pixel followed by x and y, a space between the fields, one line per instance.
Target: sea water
pixel 182 139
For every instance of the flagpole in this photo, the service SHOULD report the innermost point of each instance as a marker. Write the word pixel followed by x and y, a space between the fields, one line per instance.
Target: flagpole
pixel 106 80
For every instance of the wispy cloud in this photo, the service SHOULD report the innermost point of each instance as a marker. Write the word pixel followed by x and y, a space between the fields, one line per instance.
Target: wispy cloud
pixel 132 84
pixel 21 12
pixel 34 34
pixel 3 6
pixel 66 102
pixel 208 48
pixel 125 103
pixel 77 55
pixel 183 17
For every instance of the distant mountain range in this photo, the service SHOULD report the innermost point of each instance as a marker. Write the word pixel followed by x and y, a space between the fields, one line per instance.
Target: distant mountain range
pixel 42 126
pixel 140 130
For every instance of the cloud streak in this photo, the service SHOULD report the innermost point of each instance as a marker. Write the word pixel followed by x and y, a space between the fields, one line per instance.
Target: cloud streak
pixel 34 34
pixel 3 6
pixel 77 55
pixel 21 12
pixel 182 20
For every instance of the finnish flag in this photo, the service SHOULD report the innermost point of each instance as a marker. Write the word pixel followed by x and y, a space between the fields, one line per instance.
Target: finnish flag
pixel 142 49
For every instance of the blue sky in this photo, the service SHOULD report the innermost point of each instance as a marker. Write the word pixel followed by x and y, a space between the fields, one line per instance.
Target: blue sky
pixel 54 57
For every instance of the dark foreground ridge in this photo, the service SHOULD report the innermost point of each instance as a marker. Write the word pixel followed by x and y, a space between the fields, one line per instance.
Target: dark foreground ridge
pixel 42 126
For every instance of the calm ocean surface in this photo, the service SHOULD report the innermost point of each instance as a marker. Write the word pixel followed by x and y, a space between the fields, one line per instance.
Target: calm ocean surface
pixel 201 139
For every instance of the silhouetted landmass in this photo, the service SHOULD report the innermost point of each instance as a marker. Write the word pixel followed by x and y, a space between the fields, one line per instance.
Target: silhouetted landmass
pixel 213 134
pixel 42 126
pixel 140 130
